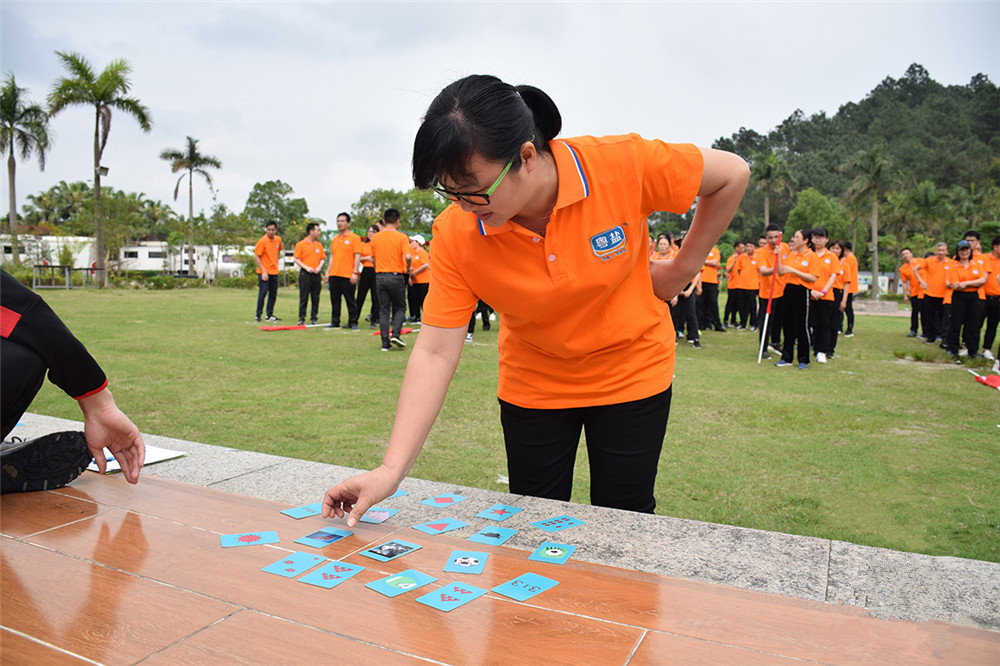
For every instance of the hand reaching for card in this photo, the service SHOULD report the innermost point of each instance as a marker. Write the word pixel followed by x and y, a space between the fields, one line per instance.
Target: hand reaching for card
pixel 358 494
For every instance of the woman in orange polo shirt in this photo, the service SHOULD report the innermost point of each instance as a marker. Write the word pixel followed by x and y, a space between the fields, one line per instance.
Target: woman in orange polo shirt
pixel 552 233
pixel 966 306
pixel 366 281
pixel 799 265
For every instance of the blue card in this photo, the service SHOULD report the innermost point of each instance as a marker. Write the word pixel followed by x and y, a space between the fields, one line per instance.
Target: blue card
pixel 558 523
pixel 451 596
pixel 248 539
pixel 440 526
pixel 390 550
pixel 399 493
pixel 493 536
pixel 332 575
pixel 378 514
pixel 525 586
pixel 305 511
pixel 498 512
pixel 554 553
pixel 294 564
pixel 466 561
pixel 397 584
pixel 323 537
pixel 446 499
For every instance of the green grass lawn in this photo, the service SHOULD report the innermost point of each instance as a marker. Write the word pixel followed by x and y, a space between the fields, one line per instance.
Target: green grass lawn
pixel 874 448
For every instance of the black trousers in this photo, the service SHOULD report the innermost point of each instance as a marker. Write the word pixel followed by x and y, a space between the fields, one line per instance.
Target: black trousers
pixel 310 287
pixel 821 316
pixel 416 294
pixel 483 311
pixel 708 307
pixel 341 286
pixel 849 313
pixel 796 323
pixel 22 372
pixel 773 323
pixel 366 283
pixel 933 316
pixel 916 305
pixel 623 445
pixel 991 315
pixel 729 314
pixel 688 315
pixel 744 306
pixel 391 288
pixel 966 315
pixel 268 289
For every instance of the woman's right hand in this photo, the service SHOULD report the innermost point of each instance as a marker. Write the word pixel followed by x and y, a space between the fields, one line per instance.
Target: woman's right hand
pixel 357 494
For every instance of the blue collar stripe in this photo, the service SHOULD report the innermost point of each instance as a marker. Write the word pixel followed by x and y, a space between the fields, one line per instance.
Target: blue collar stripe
pixel 482 228
pixel 579 171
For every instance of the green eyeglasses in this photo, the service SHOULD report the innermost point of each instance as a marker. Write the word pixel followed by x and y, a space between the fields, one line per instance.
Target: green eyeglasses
pixel 477 199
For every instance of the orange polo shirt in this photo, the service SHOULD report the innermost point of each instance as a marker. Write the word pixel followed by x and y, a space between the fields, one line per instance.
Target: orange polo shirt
pixel 960 273
pixel 390 247
pixel 850 265
pixel 934 276
pixel 803 261
pixel 310 253
pixel 582 326
pixel 991 288
pixel 751 276
pixel 343 247
pixel 419 259
pixel 768 259
pixel 366 254
pixel 908 273
pixel 827 265
pixel 268 251
pixel 710 274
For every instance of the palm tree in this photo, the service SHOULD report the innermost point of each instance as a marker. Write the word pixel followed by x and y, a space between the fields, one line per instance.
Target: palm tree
pixel 104 92
pixel 191 161
pixel 874 177
pixel 773 177
pixel 24 127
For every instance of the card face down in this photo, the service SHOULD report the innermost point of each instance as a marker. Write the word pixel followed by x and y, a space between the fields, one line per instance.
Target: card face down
pixel 294 564
pixel 248 539
pixel 525 586
pixel 331 575
pixel 323 537
pixel 397 584
pixel 451 596
pixel 466 561
pixel 390 550
pixel 553 553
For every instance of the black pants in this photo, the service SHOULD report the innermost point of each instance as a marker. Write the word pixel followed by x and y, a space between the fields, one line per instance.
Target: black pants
pixel 688 314
pixel 366 283
pixel 991 315
pixel 729 314
pixel 483 311
pixel 916 305
pixel 708 307
pixel 823 331
pixel 269 289
pixel 773 323
pixel 23 373
pixel 417 293
pixel 623 444
pixel 310 286
pixel 391 288
pixel 341 286
pixel 933 316
pixel 744 307
pixel 966 315
pixel 796 323
pixel 849 313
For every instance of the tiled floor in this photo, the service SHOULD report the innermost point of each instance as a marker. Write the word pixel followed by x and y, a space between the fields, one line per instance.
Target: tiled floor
pixel 110 573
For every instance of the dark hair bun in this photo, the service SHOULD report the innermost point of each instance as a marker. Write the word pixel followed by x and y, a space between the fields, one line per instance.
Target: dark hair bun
pixel 546 114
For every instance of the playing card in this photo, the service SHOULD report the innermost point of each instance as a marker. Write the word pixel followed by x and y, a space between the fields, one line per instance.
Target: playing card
pixel 248 539
pixel 323 537
pixel 525 586
pixel 466 561
pixel 440 526
pixel 331 575
pixel 399 493
pixel 554 553
pixel 558 523
pixel 378 514
pixel 493 536
pixel 451 596
pixel 446 499
pixel 498 512
pixel 397 584
pixel 305 511
pixel 390 550
pixel 294 564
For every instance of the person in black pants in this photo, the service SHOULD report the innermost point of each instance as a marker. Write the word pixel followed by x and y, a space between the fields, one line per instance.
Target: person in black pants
pixel 795 300
pixel 366 283
pixel 33 341
pixel 309 257
pixel 966 308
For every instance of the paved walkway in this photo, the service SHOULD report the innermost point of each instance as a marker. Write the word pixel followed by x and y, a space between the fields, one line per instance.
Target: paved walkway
pixel 887 584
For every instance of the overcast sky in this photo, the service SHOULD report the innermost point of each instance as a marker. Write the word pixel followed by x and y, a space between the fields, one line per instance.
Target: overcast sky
pixel 328 96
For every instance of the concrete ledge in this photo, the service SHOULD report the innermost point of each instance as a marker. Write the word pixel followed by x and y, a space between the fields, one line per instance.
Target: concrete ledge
pixel 889 584
pixel 876 307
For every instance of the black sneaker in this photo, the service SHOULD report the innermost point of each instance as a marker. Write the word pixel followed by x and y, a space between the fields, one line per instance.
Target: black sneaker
pixel 396 342
pixel 302 322
pixel 257 319
pixel 696 345
pixel 47 462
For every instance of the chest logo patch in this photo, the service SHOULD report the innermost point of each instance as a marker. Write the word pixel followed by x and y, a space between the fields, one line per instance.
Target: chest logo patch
pixel 608 244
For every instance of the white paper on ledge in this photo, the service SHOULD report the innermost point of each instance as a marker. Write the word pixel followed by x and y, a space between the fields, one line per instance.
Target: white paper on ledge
pixel 154 454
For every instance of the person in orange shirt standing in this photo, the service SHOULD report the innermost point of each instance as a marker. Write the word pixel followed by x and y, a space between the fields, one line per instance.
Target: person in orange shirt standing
pixel 553 234
pixel 309 255
pixel 964 281
pixel 420 275
pixel 265 255
pixel 991 304
pixel 767 259
pixel 366 283
pixel 344 271
pixel 799 268
pixel 934 294
pixel 732 279
pixel 393 257
pixel 850 266
pixel 913 287
pixel 822 305
pixel 708 302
